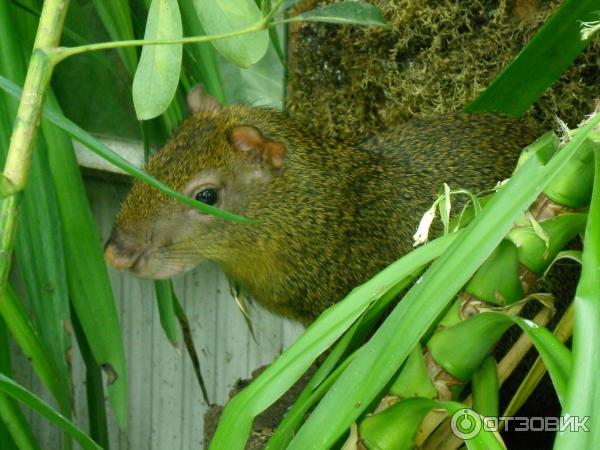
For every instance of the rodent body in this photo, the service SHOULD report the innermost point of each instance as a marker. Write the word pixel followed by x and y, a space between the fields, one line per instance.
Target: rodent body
pixel 330 214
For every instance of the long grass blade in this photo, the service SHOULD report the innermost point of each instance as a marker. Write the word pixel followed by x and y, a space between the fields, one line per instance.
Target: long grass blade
pixel 204 66
pixel 237 418
pixel 116 18
pixel 15 432
pixel 89 285
pixel 166 310
pixel 39 247
pixel 330 369
pixel 541 63
pixel 56 117
pixel 382 356
pixel 563 331
pixel 32 346
pixel 94 388
pixel 583 399
pixel 21 394
pixel 485 388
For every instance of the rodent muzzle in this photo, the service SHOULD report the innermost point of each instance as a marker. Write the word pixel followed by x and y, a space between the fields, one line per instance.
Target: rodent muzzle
pixel 123 252
pixel 119 256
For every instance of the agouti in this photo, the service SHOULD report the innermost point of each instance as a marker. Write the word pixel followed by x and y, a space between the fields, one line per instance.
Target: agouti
pixel 330 214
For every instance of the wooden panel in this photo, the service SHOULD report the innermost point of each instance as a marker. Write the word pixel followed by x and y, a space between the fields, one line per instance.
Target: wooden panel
pixel 166 405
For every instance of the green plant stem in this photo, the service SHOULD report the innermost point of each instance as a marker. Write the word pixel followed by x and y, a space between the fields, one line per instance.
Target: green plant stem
pixel 27 121
pixel 34 90
pixel 267 18
pixel 60 53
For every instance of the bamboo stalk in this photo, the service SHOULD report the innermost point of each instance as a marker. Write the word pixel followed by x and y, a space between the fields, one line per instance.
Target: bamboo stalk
pixel 441 438
pixel 27 122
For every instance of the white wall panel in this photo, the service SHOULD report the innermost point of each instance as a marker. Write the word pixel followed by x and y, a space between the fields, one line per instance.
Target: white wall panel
pixel 166 405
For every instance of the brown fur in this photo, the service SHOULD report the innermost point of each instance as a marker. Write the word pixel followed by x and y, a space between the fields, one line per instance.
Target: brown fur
pixel 334 214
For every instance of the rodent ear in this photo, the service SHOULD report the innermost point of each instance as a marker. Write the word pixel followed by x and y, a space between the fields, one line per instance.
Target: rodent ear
pixel 199 101
pixel 250 141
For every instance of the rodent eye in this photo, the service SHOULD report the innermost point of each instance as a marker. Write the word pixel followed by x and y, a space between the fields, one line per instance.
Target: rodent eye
pixel 210 196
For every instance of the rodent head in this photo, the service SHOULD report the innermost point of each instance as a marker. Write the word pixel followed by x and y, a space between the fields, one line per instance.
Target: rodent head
pixel 220 156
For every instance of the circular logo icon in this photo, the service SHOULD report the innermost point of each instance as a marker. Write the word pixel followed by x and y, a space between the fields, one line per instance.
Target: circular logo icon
pixel 465 424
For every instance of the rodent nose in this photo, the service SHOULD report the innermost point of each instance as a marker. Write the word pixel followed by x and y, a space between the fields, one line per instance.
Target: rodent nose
pixel 117 256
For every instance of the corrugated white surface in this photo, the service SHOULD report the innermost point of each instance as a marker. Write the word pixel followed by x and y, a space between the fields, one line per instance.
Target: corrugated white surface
pixel 166 406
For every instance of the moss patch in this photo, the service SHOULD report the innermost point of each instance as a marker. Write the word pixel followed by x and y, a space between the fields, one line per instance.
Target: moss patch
pixel 348 81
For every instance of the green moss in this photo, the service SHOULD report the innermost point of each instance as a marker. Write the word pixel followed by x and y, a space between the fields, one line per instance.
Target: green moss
pixel 348 81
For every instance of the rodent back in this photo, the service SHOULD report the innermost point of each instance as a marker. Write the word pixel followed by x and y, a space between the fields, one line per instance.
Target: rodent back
pixel 330 214
pixel 466 151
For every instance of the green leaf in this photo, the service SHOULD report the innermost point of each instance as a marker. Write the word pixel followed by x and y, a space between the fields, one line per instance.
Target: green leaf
pixel 39 246
pixel 40 259
pixel 311 394
pixel 262 84
pixel 203 65
pixel 484 439
pixel 563 331
pixel 330 369
pixel 497 280
pixel 266 8
pixel 534 252
pixel 57 118
pixel 94 389
pixel 483 332
pixel 116 18
pixel 166 310
pixel 15 432
pixel 572 255
pixel 573 188
pixel 395 428
pixel 382 356
pixel 21 394
pixel 31 345
pixel 227 16
pixel 237 417
pixel 462 360
pixel 42 263
pixel 157 75
pixel 485 388
pixel 354 13
pixel 414 380
pixel 89 286
pixel 540 64
pixel 583 397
